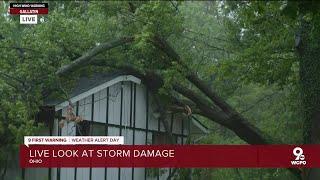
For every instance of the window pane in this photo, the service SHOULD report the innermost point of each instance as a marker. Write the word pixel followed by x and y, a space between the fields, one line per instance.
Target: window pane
pixel 162 138
pixel 98 129
pixel 83 128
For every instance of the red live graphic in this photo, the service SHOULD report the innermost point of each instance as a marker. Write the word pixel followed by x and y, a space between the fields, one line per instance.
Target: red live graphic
pixel 267 156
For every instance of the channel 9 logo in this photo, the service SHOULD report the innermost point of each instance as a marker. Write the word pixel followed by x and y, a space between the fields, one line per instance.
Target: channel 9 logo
pixel 300 158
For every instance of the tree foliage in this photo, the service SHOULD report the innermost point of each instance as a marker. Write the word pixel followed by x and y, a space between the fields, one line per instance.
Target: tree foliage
pixel 233 63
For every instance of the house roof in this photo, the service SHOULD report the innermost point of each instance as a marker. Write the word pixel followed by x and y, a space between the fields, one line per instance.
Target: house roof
pixel 92 84
pixel 86 83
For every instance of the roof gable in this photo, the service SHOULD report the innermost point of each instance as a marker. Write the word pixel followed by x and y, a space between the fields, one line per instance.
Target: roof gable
pixel 87 86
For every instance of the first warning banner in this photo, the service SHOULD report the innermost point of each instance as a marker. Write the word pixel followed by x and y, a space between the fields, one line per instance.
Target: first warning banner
pixel 266 156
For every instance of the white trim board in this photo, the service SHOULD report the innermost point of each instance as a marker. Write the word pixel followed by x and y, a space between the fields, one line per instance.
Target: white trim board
pixel 97 89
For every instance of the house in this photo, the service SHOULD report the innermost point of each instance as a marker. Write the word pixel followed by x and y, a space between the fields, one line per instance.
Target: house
pixel 114 104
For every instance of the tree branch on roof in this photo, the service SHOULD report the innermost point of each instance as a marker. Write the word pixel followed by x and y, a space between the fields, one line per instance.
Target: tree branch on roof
pixel 87 57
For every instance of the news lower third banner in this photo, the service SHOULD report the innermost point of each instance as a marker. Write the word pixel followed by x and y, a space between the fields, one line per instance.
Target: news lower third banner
pixel 183 156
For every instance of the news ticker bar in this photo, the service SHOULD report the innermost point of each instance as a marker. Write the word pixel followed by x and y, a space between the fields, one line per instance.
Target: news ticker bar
pixel 182 156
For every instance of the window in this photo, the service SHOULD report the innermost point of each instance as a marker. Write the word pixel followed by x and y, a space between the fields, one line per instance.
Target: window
pixel 98 129
pixel 83 128
pixel 162 138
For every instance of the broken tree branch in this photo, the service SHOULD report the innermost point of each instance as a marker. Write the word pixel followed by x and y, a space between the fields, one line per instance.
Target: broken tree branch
pixel 87 57
pixel 192 76
pixel 242 128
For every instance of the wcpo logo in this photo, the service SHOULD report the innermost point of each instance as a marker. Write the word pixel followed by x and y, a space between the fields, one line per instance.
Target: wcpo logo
pixel 300 158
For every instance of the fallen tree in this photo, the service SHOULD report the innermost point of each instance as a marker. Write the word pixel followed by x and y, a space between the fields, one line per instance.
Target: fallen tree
pixel 207 103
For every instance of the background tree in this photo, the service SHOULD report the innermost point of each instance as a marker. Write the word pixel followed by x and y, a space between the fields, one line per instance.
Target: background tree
pixel 279 45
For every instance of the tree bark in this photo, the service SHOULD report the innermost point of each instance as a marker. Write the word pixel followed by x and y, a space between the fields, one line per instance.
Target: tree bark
pixel 239 126
pixel 309 55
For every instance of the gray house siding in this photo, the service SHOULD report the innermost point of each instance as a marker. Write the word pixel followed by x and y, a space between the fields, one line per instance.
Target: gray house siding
pixel 126 109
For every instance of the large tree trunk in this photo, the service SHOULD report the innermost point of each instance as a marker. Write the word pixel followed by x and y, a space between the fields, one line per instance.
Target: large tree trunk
pixel 309 58
pixel 236 123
